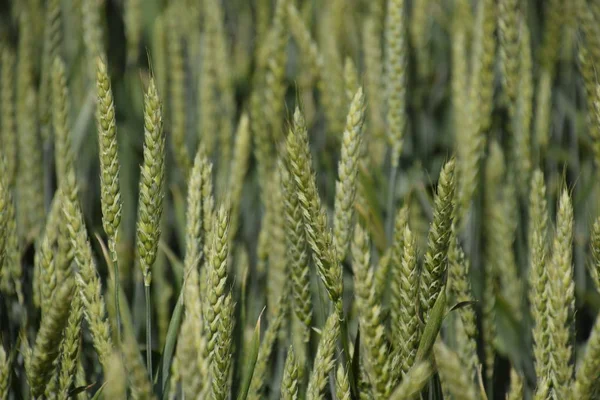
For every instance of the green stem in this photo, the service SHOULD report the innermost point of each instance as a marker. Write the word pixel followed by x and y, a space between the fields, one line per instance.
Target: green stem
pixel 148 331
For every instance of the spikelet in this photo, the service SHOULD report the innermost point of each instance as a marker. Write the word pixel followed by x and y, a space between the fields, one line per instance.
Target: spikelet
pixel 524 104
pixel 194 248
pixel 88 281
pixel 459 81
pixel 297 257
pixel 5 204
pixel 5 368
pixel 289 383
pixel 485 96
pixel 508 29
pixel 277 273
pixel 217 277
pixel 60 121
pixel 192 376
pixel 109 162
pixel 538 273
pixel 275 71
pixel 434 270
pixel 494 173
pixel 308 47
pixel 374 89
pixel 238 168
pixel 133 29
pixel 225 111
pixel 317 232
pixel 542 112
pixel 263 146
pixel 586 385
pixel 152 177
pixel 542 391
pixel 594 268
pixel 346 185
pixel 44 261
pixel 47 342
pixel 324 361
pixel 382 273
pixel 331 83
pixel 30 205
pixel 208 210
pixel 342 386
pixel 369 312
pixel 561 299
pixel 395 70
pixel 221 357
pixel 479 105
pixel 554 22
pixel 8 132
pixel 69 348
pixel 395 253
pixel 53 37
pixel 176 88
pixel 500 229
pixel 460 286
pixel 10 270
pixel 404 289
pixel 516 386
pixel 459 385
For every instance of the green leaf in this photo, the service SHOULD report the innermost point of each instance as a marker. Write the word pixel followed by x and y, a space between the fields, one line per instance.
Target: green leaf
pixel 251 360
pixel 432 327
pixel 462 304
pixel 169 349
pixel 81 389
pixel 174 260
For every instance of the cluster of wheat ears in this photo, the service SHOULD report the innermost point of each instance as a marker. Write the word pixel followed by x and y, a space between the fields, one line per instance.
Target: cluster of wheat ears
pixel 341 199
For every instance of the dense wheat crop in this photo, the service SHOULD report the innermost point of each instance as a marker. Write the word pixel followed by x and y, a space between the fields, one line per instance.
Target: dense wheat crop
pixel 300 199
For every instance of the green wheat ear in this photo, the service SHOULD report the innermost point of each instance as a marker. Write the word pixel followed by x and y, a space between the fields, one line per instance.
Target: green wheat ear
pixel 538 272
pixel 47 342
pixel 324 361
pixel 5 373
pixel 152 178
pixel 435 266
pixel 289 383
pixel 395 66
pixel 346 184
pixel 561 301
pixel 369 311
pixel 297 256
pixel 8 132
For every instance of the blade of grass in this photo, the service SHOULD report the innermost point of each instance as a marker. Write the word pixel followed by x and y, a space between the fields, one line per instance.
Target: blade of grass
pixel 251 361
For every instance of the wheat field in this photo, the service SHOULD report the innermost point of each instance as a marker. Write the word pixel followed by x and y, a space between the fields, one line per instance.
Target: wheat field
pixel 300 199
